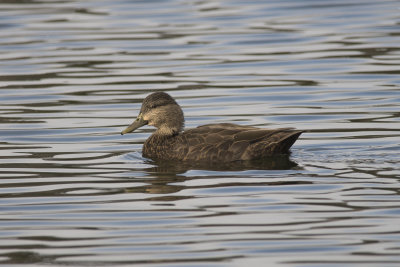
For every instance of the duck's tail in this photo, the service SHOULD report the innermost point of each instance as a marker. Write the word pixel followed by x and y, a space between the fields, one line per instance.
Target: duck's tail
pixel 278 142
pixel 283 145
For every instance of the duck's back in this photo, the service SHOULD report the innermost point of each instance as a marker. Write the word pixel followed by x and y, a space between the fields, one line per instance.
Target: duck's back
pixel 224 142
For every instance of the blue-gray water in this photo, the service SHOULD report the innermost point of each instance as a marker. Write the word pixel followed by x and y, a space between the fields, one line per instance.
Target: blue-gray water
pixel 74 192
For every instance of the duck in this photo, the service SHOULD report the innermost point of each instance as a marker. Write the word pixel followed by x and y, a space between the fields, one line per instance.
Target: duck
pixel 220 142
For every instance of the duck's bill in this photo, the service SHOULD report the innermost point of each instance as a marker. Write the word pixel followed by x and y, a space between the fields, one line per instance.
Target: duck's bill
pixel 139 122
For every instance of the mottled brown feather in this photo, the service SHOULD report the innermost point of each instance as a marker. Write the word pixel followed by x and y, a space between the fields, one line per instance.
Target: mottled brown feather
pixel 241 143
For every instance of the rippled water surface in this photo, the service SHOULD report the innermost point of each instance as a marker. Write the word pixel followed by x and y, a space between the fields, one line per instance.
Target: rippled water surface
pixel 73 191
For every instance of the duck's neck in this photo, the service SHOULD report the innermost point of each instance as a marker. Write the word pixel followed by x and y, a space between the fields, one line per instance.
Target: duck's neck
pixel 166 131
pixel 158 145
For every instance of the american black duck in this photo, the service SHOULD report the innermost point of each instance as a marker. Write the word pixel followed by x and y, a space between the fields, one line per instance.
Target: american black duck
pixel 223 142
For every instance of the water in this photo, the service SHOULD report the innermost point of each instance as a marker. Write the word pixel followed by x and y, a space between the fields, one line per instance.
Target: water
pixel 75 192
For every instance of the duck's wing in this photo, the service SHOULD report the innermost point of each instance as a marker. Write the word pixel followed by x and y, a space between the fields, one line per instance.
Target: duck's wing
pixel 224 126
pixel 229 142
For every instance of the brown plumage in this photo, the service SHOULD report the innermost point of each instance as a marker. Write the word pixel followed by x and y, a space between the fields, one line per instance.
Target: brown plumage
pixel 224 142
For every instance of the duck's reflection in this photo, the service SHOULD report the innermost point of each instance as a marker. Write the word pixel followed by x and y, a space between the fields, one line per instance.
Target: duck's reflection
pixel 168 177
pixel 279 162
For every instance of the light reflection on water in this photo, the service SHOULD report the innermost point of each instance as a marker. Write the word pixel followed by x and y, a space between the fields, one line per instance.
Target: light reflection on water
pixel 73 74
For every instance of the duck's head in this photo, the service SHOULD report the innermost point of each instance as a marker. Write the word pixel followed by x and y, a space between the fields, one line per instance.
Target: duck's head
pixel 161 111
